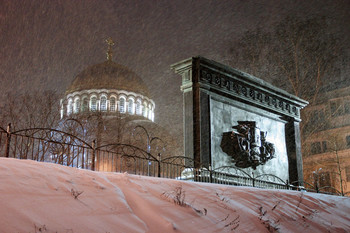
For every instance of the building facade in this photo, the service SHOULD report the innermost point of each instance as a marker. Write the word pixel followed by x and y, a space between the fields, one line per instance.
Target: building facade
pixel 326 141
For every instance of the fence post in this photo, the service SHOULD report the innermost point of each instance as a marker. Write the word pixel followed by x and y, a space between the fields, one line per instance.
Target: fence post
pixel 196 175
pixel 93 155
pixel 210 175
pixel 8 140
pixel 159 159
pixel 253 179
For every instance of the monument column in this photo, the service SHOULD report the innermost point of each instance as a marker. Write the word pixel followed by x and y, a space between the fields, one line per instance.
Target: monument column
pixel 295 161
pixel 196 110
pixel 184 68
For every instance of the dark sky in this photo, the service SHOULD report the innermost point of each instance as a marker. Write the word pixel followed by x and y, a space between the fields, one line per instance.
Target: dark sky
pixel 44 44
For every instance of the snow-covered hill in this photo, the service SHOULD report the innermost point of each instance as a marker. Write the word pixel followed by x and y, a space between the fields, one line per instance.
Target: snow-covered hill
pixel 43 197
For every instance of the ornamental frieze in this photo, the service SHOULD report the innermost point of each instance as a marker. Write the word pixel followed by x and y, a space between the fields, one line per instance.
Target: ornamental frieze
pixel 251 93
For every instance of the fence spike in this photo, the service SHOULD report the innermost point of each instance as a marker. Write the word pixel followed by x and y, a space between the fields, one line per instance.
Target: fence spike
pixel 8 140
pixel 93 155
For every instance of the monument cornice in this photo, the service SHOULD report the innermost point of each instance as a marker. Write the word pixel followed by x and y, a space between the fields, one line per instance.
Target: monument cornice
pixel 231 82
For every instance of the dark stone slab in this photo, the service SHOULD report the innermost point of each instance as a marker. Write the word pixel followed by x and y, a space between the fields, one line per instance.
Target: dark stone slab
pixel 216 97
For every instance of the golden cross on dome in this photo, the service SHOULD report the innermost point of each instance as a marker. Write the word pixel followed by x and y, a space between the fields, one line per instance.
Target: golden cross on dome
pixel 109 53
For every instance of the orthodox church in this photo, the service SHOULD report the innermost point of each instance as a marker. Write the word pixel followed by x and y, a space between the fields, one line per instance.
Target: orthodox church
pixel 109 100
pixel 110 88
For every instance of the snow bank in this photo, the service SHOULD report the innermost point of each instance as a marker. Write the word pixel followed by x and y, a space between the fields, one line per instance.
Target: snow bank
pixel 43 197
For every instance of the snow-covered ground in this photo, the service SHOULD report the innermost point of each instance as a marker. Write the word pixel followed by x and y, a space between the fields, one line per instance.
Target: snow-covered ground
pixel 43 197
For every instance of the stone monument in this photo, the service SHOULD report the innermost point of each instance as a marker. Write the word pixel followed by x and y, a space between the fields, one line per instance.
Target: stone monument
pixel 232 118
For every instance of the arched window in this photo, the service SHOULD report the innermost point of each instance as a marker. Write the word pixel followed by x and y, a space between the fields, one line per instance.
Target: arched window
pixel 138 107
pixel 103 103
pixel 70 107
pixel 77 105
pixel 150 112
pixel 122 104
pixel 112 104
pixel 145 110
pixel 85 106
pixel 131 106
pixel 93 104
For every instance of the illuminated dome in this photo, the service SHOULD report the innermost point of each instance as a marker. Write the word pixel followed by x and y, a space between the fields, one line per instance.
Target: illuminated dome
pixel 108 75
pixel 108 87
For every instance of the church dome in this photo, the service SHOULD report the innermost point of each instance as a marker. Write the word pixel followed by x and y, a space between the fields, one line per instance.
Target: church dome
pixel 108 75
pixel 110 88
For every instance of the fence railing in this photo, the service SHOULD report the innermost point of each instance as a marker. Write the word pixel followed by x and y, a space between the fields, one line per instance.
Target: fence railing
pixel 237 177
pixel 54 146
pixel 47 145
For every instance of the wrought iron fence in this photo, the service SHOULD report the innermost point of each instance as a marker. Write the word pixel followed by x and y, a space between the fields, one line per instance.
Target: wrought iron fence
pixel 237 177
pixel 323 189
pixel 55 146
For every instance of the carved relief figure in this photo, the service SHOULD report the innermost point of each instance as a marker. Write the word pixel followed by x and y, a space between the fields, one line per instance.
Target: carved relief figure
pixel 247 145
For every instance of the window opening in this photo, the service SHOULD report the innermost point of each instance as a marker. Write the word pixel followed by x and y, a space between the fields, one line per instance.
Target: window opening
pixel 85 105
pixel 112 104
pixel 93 104
pixel 131 106
pixel 122 105
pixel 77 106
pixel 103 103
pixel 138 108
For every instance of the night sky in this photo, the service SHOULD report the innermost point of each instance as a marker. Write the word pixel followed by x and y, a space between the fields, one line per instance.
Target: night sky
pixel 45 44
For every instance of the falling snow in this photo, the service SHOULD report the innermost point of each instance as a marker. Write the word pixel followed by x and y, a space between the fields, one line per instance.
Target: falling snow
pixel 44 44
